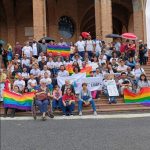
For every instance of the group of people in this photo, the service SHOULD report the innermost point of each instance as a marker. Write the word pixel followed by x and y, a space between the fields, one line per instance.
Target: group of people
pixel 31 68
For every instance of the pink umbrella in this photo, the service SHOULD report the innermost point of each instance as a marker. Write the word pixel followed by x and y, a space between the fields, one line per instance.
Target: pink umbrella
pixel 85 34
pixel 130 36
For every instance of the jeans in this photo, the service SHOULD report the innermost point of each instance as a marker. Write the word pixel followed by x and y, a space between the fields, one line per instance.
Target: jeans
pixel 111 98
pixel 57 103
pixel 82 54
pixel 68 109
pixel 90 53
pixel 80 105
pixel 42 105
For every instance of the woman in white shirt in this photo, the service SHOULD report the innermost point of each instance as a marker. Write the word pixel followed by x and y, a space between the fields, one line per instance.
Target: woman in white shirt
pixel 143 82
pixel 31 82
pixel 137 71
pixel 89 46
pixel 80 46
pixel 57 65
pixel 25 62
pixel 27 50
pixel 94 64
pixel 98 46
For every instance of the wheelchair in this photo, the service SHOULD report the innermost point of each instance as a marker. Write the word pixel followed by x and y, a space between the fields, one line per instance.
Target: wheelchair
pixel 35 109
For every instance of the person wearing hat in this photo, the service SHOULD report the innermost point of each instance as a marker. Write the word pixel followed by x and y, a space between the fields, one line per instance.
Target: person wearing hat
pixel 85 98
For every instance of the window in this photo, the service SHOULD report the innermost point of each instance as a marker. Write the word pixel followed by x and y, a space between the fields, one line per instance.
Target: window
pixel 66 27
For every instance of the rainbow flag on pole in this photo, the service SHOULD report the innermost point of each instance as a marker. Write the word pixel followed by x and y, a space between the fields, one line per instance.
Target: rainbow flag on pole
pixel 18 101
pixel 58 50
pixel 142 97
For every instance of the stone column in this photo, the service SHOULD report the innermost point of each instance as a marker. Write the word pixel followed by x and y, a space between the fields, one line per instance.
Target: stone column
pixel 98 18
pixel 106 18
pixel 138 19
pixel 11 21
pixel 39 19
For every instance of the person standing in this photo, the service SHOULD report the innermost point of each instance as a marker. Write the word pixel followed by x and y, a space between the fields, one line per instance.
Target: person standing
pixel 18 49
pixel 2 81
pixel 80 46
pixel 90 46
pixel 36 49
pixel 98 45
pixel 27 50
pixel 62 43
pixel 43 47
pixel 1 54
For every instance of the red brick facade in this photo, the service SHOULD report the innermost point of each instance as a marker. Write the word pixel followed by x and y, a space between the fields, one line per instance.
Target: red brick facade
pixel 23 20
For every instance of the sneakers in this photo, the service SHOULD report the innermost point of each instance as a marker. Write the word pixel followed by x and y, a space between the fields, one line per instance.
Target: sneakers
pixel 80 113
pixel 95 113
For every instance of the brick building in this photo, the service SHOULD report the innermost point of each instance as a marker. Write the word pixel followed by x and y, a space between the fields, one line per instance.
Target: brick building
pixel 21 20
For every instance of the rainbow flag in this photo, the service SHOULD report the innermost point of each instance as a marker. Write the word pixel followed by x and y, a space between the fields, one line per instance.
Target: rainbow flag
pixel 142 97
pixel 69 68
pixel 18 101
pixel 58 50
pixel 87 69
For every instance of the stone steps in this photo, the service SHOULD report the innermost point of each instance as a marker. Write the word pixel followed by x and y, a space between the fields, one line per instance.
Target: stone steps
pixel 104 107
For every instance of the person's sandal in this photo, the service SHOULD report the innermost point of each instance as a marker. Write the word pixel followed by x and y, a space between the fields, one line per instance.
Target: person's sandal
pixel 44 118
pixel 51 115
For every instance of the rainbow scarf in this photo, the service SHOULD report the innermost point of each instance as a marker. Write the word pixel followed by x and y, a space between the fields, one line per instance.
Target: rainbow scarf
pixel 18 101
pixel 142 97
pixel 56 50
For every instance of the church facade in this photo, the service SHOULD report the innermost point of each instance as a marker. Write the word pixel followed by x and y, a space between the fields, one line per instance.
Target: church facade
pixel 22 20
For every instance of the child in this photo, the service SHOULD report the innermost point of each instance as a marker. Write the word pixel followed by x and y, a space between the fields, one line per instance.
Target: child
pixel 57 98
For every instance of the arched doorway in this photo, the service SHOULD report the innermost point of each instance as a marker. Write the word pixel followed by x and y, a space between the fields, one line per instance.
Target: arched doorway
pixel 121 15
pixel 3 22
pixel 88 22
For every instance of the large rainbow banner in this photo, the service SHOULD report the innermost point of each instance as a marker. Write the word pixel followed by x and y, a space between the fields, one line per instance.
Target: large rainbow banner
pixel 58 50
pixel 18 101
pixel 142 97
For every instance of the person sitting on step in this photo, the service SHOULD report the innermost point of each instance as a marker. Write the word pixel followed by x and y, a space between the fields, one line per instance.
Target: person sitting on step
pixel 85 98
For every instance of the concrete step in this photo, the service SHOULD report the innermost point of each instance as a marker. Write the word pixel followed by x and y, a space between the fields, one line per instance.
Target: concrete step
pixel 100 108
pixel 90 111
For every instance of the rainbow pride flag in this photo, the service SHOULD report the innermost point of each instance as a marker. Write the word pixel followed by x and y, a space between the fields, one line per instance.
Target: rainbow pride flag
pixel 18 101
pixel 86 70
pixel 142 97
pixel 69 68
pixel 58 50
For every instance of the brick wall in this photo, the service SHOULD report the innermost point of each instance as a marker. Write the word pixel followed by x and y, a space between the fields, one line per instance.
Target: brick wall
pixel 76 9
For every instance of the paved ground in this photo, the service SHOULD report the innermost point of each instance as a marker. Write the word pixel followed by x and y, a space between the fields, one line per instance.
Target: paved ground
pixel 95 134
